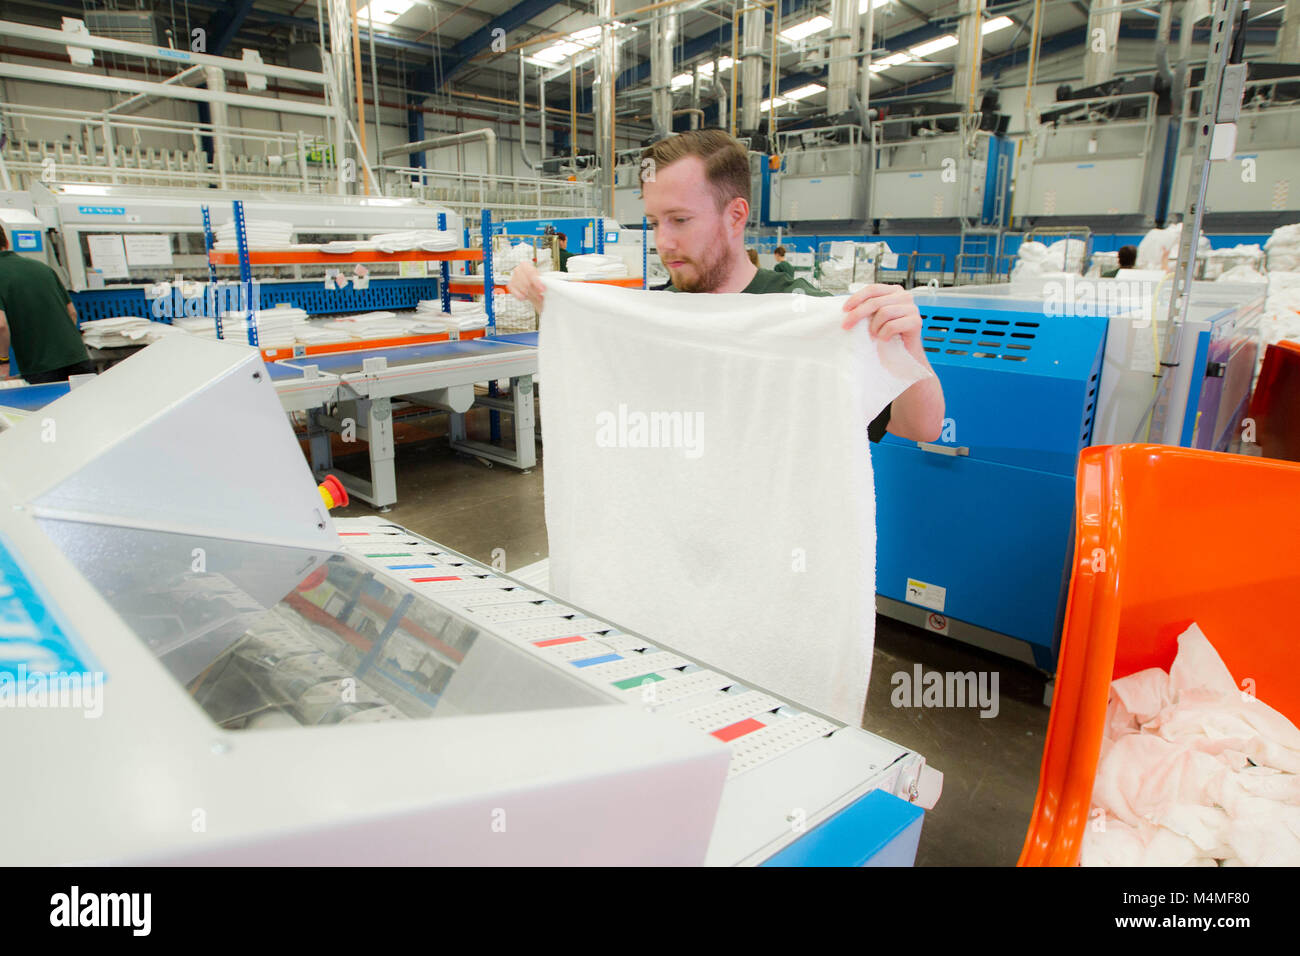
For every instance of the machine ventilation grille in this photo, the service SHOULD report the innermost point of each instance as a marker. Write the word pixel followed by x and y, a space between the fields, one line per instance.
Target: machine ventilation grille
pixel 1089 410
pixel 994 339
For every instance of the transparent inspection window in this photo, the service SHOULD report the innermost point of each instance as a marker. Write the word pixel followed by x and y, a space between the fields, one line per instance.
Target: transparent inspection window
pixel 265 636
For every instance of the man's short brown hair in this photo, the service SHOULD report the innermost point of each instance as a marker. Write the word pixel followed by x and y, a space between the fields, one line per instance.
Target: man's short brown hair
pixel 726 164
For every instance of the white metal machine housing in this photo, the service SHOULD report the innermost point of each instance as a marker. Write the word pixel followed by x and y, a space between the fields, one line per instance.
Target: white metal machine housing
pixel 77 211
pixel 255 684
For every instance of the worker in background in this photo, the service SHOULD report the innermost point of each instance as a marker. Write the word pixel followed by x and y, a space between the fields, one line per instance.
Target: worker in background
pixel 38 320
pixel 782 267
pixel 697 202
pixel 565 254
pixel 1128 257
pixel 753 256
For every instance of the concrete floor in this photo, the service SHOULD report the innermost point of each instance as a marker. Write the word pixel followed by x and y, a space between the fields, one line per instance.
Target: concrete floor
pixel 990 765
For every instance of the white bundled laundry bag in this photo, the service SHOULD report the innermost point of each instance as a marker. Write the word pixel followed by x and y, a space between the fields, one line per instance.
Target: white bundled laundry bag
pixel 1283 248
pixel 708 478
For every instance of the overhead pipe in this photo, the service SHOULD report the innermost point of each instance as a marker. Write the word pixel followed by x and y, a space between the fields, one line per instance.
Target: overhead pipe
pixel 864 75
pixel 523 137
pixel 839 82
pixel 603 102
pixel 775 71
pixel 361 102
pixel 216 80
pixel 720 94
pixel 374 73
pixel 1035 40
pixel 1288 38
pixel 541 114
pixel 1098 67
pixel 140 99
pixel 663 37
pixel 750 68
pixel 970 42
pixel 695 97
pixel 485 134
pixel 573 110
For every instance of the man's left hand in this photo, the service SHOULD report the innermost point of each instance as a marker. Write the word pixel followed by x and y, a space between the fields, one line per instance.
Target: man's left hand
pixel 890 310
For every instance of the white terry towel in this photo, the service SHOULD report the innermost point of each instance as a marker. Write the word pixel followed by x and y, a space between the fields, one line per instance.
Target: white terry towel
pixel 749 543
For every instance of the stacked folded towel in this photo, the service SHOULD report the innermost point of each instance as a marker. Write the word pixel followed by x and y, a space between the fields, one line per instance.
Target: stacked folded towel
pixel 123 330
pixel 463 315
pixel 260 233
pixel 425 240
pixel 369 325
pixel 276 328
pixel 434 307
pixel 597 266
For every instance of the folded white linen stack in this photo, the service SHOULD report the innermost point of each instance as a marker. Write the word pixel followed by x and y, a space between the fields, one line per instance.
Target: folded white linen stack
pixel 463 315
pixel 260 233
pixel 318 335
pixel 371 325
pixel 596 266
pixel 434 307
pixel 123 330
pixel 276 328
pixel 1193 771
pixel 425 240
pixel 345 247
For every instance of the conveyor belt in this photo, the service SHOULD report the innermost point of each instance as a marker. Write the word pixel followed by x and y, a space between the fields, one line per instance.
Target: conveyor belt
pixel 782 755
pixel 30 398
pixel 518 338
pixel 351 363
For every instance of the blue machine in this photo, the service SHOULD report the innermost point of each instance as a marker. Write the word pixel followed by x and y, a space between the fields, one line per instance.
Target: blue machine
pixel 974 530
pixel 583 232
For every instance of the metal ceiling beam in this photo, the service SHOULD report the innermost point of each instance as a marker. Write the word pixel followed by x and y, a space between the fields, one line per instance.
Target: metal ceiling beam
pixel 228 24
pixel 456 58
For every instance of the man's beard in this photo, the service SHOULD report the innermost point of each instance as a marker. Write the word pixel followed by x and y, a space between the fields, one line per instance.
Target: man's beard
pixel 710 273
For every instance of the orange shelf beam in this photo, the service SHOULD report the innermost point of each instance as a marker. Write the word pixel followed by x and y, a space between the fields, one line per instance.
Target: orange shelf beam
pixel 472 288
pixel 362 345
pixel 292 257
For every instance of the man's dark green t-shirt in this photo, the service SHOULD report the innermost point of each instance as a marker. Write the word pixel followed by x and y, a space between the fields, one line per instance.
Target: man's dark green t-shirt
pixel 35 305
pixel 565 256
pixel 784 268
pixel 767 281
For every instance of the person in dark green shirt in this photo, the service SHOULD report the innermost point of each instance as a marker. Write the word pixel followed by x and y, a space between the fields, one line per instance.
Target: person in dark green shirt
pixel 38 320
pixel 782 266
pixel 1128 256
pixel 696 189
pixel 565 254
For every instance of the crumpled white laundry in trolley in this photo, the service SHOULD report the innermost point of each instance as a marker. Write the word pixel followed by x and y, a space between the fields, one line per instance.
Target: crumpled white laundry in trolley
pixel 708 478
pixel 1193 772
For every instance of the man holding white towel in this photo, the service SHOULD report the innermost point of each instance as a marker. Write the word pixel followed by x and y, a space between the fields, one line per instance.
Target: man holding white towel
pixel 696 191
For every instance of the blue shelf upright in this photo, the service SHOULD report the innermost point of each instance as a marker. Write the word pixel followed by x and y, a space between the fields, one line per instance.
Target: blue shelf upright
pixel 444 272
pixel 245 273
pixel 208 242
pixel 489 294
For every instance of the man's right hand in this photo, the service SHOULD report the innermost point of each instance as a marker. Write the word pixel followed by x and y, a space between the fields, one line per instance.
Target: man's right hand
pixel 526 283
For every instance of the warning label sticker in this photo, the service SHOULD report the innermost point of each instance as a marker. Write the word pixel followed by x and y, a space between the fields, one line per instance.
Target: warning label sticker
pixel 927 595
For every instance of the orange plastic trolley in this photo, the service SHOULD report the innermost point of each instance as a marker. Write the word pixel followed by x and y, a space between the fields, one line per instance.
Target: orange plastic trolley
pixel 1165 537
